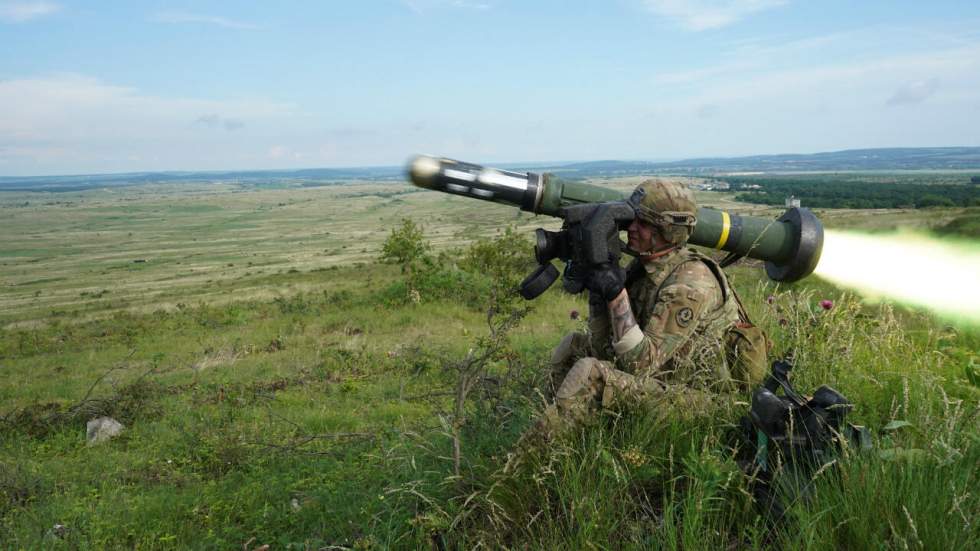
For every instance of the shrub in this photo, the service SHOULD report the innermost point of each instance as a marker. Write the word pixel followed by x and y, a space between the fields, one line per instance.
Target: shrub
pixel 489 269
pixel 405 246
pixel 504 260
pixel 965 226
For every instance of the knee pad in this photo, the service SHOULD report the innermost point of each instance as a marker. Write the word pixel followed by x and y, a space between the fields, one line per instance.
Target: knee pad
pixel 574 346
pixel 580 379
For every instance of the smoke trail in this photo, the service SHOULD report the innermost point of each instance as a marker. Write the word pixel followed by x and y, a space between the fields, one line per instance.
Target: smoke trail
pixel 937 274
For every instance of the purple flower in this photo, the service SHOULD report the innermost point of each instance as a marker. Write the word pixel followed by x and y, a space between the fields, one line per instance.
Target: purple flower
pixel 573 314
pixel 826 304
pixel 770 299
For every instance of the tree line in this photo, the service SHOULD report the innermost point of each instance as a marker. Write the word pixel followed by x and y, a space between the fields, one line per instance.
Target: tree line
pixel 853 194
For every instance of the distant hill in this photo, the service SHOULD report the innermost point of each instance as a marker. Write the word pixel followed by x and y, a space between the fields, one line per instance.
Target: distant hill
pixel 905 158
pixel 92 181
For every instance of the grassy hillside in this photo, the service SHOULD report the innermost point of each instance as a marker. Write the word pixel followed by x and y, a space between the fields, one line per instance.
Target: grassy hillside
pixel 280 386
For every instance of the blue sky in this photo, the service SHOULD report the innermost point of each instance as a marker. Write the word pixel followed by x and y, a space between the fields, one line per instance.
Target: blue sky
pixel 114 86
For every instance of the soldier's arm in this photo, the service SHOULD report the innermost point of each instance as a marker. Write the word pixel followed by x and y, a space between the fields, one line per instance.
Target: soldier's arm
pixel 600 329
pixel 674 318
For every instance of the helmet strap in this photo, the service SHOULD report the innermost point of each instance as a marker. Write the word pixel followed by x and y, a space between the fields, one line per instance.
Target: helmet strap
pixel 654 254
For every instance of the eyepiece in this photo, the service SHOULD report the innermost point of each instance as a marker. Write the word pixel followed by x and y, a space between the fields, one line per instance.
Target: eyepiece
pixel 549 245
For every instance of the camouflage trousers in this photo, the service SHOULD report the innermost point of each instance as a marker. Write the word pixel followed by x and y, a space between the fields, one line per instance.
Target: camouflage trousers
pixel 575 346
pixel 580 386
pixel 583 386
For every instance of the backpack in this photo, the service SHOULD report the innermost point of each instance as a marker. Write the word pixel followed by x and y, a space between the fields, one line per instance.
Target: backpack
pixel 746 345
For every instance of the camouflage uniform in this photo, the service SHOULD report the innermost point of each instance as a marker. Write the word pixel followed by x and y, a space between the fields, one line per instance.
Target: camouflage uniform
pixel 683 314
pixel 676 355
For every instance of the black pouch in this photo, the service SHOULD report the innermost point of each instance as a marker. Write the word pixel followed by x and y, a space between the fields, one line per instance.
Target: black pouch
pixel 787 437
pixel 747 353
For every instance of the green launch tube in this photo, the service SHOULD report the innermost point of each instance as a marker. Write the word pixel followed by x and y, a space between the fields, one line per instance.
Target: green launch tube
pixel 790 245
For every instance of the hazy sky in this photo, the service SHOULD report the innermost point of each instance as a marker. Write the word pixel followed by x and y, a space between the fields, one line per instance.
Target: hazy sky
pixel 111 86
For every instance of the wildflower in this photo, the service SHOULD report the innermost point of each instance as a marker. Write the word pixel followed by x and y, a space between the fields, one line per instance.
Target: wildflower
pixel 634 456
pixel 826 304
pixel 770 299
pixel 573 314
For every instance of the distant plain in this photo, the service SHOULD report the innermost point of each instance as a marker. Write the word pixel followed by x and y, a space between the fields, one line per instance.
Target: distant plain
pixel 279 386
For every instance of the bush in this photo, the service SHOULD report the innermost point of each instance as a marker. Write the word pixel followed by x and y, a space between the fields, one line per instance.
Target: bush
pixel 405 246
pixel 489 269
pixel 963 226
pixel 505 259
pixel 932 200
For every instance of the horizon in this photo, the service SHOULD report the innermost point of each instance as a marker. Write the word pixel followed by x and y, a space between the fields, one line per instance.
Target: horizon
pixel 501 164
pixel 221 87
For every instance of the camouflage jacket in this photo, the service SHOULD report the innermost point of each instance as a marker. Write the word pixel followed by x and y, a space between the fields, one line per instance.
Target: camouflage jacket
pixel 684 312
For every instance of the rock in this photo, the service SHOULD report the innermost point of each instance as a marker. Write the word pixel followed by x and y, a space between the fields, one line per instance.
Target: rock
pixel 101 429
pixel 57 532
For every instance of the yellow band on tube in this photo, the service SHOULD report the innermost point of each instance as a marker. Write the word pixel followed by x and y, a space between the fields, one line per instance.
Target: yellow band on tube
pixel 726 226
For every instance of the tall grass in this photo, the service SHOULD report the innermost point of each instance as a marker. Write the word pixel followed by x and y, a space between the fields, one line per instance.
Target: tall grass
pixel 644 480
pixel 318 419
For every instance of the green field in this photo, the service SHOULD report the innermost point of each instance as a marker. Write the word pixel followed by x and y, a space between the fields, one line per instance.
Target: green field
pixel 280 385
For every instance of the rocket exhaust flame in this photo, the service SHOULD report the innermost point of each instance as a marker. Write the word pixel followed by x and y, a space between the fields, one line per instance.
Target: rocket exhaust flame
pixel 937 274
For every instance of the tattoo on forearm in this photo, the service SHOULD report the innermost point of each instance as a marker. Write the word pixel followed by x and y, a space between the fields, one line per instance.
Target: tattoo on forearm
pixel 622 315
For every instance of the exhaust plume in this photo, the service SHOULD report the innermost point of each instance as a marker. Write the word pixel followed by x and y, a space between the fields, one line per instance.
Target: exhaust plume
pixel 941 275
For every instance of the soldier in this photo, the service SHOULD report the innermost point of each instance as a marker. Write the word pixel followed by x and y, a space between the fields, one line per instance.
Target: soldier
pixel 658 329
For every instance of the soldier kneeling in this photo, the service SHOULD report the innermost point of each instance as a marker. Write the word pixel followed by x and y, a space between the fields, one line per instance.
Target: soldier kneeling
pixel 663 327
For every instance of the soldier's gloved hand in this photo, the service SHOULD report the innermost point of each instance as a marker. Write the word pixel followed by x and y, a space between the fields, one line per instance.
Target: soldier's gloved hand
pixel 606 280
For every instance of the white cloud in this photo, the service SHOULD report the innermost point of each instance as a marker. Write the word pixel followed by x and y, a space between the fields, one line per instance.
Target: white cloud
pixel 213 120
pixel 744 57
pixel 19 12
pixel 915 91
pixel 834 105
pixel 471 5
pixel 702 15
pixel 75 123
pixel 185 17
pixel 422 6
pixel 958 65
pixel 281 152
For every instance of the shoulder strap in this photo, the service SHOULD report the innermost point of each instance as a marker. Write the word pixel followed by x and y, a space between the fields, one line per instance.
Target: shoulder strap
pixel 716 271
pixel 743 314
pixel 726 289
pixel 693 256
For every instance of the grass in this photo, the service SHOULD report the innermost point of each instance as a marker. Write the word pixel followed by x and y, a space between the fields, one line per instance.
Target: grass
pixel 312 408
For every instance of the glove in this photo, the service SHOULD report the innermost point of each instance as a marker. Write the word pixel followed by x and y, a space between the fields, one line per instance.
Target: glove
pixel 606 280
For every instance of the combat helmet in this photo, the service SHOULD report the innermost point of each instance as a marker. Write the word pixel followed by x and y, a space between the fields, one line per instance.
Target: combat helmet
pixel 668 206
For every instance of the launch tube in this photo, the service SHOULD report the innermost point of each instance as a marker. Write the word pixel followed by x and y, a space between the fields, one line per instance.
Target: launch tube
pixel 790 244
